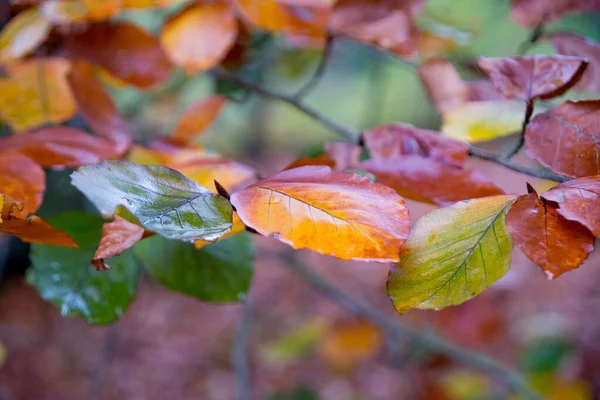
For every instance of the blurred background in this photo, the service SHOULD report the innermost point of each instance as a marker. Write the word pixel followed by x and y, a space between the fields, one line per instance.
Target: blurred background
pixel 302 346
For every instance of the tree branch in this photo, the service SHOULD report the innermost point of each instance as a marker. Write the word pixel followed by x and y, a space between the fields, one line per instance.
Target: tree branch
pixel 521 141
pixel 239 352
pixel 396 331
pixel 314 80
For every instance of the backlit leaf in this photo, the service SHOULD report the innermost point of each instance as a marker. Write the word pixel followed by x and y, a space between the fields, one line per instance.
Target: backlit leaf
pixel 126 51
pixel 35 230
pixel 534 12
pixel 198 117
pixel 219 272
pixel 452 255
pixel 546 237
pixel 199 37
pixel 566 138
pixel 574 45
pixel 36 92
pixel 334 213
pixel 579 200
pixel 531 77
pixel 163 200
pixel 66 277
pixel 117 236
pixel 443 83
pixel 22 35
pixel 23 180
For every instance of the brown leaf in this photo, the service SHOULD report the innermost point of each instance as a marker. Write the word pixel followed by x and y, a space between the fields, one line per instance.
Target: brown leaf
pixel 443 83
pixel 579 200
pixel 566 138
pixel 36 230
pixel 126 51
pixel 482 90
pixel 531 77
pixel 303 161
pixel 23 181
pixel 97 107
pixel 338 214
pixel 199 37
pixel 388 141
pixel 546 237
pixel 344 155
pixel 198 117
pixel 117 236
pixel 429 180
pixel 534 12
pixel 579 46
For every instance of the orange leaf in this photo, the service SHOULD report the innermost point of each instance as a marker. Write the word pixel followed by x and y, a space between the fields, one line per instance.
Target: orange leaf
pixel 443 83
pixel 319 160
pixel 546 237
pixel 346 346
pixel 198 117
pixel 36 92
pixel 333 213
pixel 36 230
pixel 345 155
pixel 230 174
pixel 97 107
pixel 126 51
pixel 22 35
pixel 199 37
pixel 117 236
pixel 23 180
pixel 150 3
pixel 73 11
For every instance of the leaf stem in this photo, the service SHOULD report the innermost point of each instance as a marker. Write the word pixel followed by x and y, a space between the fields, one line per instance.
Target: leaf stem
pixel 316 78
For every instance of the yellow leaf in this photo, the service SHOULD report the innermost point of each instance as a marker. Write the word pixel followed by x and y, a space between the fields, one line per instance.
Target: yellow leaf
pixel 22 35
pixel 345 346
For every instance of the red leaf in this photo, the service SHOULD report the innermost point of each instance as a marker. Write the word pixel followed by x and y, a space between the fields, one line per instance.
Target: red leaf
pixel 36 230
pixel 198 117
pixel 345 155
pixel 534 12
pixel 566 138
pixel 579 46
pixel 443 83
pixel 117 236
pixel 304 161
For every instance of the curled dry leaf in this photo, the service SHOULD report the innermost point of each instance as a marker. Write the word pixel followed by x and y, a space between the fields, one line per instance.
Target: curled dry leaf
pixel 22 35
pixel 126 51
pixel 531 77
pixel 566 138
pixel 198 117
pixel 338 214
pixel 23 180
pixel 344 155
pixel 535 12
pixel 36 92
pixel 579 200
pixel 33 229
pixel 97 107
pixel 452 255
pixel 199 37
pixel 546 237
pixel 579 46
pixel 117 236
pixel 443 84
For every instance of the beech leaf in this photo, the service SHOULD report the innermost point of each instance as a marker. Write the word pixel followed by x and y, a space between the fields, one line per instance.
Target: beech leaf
pixel 22 35
pixel 338 214
pixel 68 11
pixel 33 229
pixel 452 255
pixel 23 180
pixel 344 155
pixel 198 117
pixel 322 159
pixel 574 45
pixel 443 83
pixel 164 201
pixel 535 12
pixel 117 236
pixel 230 174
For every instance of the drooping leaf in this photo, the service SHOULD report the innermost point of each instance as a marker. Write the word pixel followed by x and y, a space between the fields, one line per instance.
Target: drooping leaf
pixel 23 180
pixel 344 155
pixel 579 46
pixel 33 229
pixel 334 213
pixel 22 35
pixel 126 51
pixel 477 121
pixel 579 200
pixel 66 277
pixel 36 92
pixel 61 147
pixel 452 255
pixel 566 138
pixel 219 272
pixel 395 140
pixel 531 77
pixel 429 180
pixel 199 37
pixel 534 12
pixel 198 117
pixel 443 83
pixel 117 236
pixel 546 237
pixel 97 107
pixel 164 201
pixel 345 346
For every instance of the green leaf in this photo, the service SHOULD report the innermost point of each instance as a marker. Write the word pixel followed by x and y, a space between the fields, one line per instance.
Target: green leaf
pixel 219 272
pixel 65 276
pixel 452 255
pixel 164 201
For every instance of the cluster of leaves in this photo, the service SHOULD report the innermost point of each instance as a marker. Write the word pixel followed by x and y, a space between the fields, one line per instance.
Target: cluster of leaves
pixel 172 192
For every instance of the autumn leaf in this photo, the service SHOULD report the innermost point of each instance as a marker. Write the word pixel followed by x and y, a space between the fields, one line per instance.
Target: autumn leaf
pixel 534 12
pixel 578 46
pixel 345 346
pixel 312 207
pixel 97 108
pixel 69 11
pixel 452 255
pixel 23 180
pixel 163 200
pixel 443 83
pixel 36 92
pixel 531 77
pixel 482 90
pixel 199 37
pixel 150 3
pixel 303 161
pixel 33 229
pixel 22 35
pixel 237 226
pixel 546 237
pixel 117 236
pixel 579 200
pixel 566 138
pixel 197 117
pixel 230 174
pixel 344 155
pixel 124 50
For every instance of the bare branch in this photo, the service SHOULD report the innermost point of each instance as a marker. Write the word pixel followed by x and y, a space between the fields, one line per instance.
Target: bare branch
pixel 239 356
pixel 316 78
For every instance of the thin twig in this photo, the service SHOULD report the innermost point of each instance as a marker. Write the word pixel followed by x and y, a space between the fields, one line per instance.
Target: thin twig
pixel 316 78
pixel 397 332
pixel 534 36
pixel 239 356
pixel 521 140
